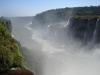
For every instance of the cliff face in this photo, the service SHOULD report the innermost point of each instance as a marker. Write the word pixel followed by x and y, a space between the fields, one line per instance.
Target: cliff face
pixel 83 29
pixel 10 56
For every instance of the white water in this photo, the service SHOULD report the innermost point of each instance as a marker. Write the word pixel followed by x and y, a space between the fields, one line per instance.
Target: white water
pixel 60 61
pixel 85 34
pixel 95 32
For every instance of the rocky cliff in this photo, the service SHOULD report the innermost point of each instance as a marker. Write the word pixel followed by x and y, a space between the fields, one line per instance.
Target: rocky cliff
pixel 84 29
pixel 10 56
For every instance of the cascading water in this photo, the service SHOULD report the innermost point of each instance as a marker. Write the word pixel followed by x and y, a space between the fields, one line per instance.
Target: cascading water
pixel 85 34
pixel 71 23
pixel 66 24
pixel 95 33
pixel 48 26
pixel 65 59
pixel 71 32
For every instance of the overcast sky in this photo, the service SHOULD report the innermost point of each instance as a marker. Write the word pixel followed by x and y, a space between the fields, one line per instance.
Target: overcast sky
pixel 32 7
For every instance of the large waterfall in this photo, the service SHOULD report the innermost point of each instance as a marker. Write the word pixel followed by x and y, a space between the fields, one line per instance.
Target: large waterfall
pixel 58 55
pixel 66 59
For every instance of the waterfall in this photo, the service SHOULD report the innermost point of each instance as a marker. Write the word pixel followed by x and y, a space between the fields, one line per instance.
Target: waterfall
pixel 47 29
pixel 95 33
pixel 85 34
pixel 55 33
pixel 66 24
pixel 71 31
pixel 48 57
pixel 71 23
pixel 59 61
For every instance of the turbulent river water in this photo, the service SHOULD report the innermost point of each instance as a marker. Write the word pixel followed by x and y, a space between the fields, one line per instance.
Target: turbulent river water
pixel 64 59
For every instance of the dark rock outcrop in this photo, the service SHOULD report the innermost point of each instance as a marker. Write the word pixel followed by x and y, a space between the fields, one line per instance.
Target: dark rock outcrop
pixel 19 72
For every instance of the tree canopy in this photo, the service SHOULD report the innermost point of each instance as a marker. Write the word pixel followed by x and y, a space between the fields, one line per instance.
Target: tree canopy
pixel 63 14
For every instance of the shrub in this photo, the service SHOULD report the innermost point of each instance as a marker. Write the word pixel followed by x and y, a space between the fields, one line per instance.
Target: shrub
pixel 9 51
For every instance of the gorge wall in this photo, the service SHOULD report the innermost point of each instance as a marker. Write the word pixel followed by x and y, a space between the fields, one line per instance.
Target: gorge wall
pixel 86 29
pixel 83 30
pixel 82 22
pixel 10 56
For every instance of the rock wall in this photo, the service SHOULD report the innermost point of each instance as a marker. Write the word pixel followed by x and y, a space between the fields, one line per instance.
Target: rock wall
pixel 84 27
pixel 10 56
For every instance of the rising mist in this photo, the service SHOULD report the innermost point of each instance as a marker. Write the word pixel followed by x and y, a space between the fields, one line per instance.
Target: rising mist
pixel 52 50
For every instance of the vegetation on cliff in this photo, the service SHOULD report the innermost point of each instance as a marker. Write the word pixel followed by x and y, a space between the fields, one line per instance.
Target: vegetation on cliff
pixel 7 24
pixel 9 50
pixel 63 14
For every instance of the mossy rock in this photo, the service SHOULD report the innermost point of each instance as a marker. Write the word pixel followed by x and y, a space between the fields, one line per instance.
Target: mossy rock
pixel 9 51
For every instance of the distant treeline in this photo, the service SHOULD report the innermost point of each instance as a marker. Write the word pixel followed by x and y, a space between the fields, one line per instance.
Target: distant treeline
pixel 63 14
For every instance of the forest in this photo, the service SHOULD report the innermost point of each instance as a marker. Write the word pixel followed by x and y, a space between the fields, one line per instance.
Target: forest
pixel 63 14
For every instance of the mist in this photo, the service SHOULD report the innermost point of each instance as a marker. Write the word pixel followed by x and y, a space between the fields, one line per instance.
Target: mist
pixel 52 50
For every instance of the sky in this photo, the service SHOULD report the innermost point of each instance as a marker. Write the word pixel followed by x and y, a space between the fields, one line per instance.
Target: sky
pixel 12 8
